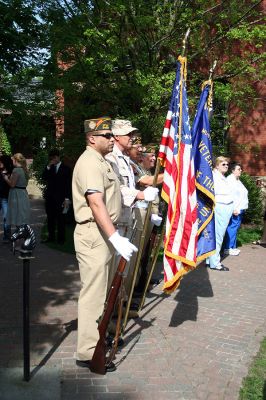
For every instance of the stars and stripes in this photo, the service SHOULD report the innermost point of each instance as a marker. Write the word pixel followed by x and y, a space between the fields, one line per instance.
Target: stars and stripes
pixel 178 189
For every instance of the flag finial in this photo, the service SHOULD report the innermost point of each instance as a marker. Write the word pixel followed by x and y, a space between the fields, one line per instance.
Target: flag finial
pixel 212 69
pixel 185 41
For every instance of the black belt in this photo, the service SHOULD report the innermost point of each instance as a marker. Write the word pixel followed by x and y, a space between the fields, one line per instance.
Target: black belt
pixel 86 221
pixel 20 187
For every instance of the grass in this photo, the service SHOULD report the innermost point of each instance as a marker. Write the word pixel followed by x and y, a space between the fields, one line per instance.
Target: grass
pixel 254 385
pixel 68 246
pixel 248 234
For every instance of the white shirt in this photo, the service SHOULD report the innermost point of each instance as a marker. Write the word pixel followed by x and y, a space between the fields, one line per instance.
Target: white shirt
pixel 56 166
pixel 239 192
pixel 122 168
pixel 222 189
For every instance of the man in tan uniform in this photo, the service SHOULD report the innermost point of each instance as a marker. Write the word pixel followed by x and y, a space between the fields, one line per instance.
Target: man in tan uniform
pixel 97 207
pixel 123 133
pixel 143 178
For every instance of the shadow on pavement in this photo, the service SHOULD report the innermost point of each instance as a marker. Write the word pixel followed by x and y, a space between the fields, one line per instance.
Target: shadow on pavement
pixel 69 327
pixel 54 288
pixel 195 284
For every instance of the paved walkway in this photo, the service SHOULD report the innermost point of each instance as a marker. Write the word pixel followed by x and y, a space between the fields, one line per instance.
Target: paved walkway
pixel 195 344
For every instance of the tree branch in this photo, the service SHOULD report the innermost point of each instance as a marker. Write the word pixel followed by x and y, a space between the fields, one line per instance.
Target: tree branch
pixel 222 35
pixel 240 70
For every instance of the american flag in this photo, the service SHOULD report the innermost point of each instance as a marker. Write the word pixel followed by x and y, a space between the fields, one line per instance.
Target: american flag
pixel 179 189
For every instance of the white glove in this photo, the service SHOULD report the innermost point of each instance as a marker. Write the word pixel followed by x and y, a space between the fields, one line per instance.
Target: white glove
pixel 150 193
pixel 122 245
pixel 156 219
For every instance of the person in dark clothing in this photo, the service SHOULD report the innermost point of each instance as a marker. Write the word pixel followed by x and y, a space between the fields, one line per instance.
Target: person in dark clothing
pixel 57 177
pixel 6 166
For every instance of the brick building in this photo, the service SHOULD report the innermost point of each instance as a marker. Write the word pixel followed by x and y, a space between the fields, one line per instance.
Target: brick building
pixel 247 135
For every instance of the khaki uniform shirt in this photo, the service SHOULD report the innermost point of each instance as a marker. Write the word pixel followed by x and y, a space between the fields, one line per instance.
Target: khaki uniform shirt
pixel 92 173
pixel 121 166
pixel 139 173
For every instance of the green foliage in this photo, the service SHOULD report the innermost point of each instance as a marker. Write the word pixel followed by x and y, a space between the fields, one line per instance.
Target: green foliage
pixel 219 121
pixel 20 32
pixel 121 58
pixel 255 208
pixel 72 146
pixel 5 147
pixel 38 164
pixel 253 386
pixel 249 33
pixel 248 235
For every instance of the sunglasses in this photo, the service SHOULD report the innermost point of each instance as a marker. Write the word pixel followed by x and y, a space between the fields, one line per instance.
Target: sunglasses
pixel 105 135
pixel 224 164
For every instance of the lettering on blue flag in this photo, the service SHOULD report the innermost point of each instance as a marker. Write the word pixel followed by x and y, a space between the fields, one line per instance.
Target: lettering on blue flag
pixel 202 153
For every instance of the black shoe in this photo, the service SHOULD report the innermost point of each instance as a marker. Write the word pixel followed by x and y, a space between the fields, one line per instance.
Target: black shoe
pixel 110 339
pixel 83 363
pixel 110 367
pixel 223 268
pixel 86 364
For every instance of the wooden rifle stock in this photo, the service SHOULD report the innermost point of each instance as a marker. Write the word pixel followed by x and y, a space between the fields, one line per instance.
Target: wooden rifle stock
pixel 98 362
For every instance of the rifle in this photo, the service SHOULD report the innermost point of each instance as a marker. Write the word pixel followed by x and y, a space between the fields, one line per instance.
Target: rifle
pixel 98 362
pixel 145 259
pixel 140 249
pixel 121 299
pixel 153 263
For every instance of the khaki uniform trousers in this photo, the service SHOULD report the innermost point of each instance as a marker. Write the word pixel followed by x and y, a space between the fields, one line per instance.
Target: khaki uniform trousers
pixel 94 255
pixel 139 215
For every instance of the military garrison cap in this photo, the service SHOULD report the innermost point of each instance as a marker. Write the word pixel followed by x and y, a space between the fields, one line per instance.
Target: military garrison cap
pixel 97 124
pixel 136 140
pixel 151 148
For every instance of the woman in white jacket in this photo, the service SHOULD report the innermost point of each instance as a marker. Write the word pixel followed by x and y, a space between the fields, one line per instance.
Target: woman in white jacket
pixel 222 211
pixel 240 198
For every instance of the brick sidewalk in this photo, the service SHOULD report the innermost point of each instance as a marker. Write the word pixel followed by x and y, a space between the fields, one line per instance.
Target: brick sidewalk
pixel 195 344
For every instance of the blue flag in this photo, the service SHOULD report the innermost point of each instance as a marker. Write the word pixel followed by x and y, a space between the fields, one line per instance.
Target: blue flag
pixel 202 152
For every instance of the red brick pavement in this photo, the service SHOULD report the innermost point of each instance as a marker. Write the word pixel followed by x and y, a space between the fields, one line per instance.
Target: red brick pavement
pixel 195 344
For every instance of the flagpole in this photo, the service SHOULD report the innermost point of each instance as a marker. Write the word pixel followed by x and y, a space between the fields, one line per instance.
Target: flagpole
pixel 185 42
pixel 140 250
pixel 212 69
pixel 153 263
pixel 209 82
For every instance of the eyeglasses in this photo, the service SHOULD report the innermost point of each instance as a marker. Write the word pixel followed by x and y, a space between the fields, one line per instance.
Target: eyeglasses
pixel 224 164
pixel 105 135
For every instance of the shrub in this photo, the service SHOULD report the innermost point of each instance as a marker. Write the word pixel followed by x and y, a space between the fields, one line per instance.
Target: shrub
pixel 255 207
pixel 5 147
pixel 38 164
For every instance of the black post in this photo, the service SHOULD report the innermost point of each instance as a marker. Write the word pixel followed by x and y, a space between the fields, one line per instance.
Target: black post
pixel 26 248
pixel 26 318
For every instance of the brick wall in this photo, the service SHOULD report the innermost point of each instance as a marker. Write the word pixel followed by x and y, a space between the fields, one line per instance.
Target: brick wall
pixel 247 134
